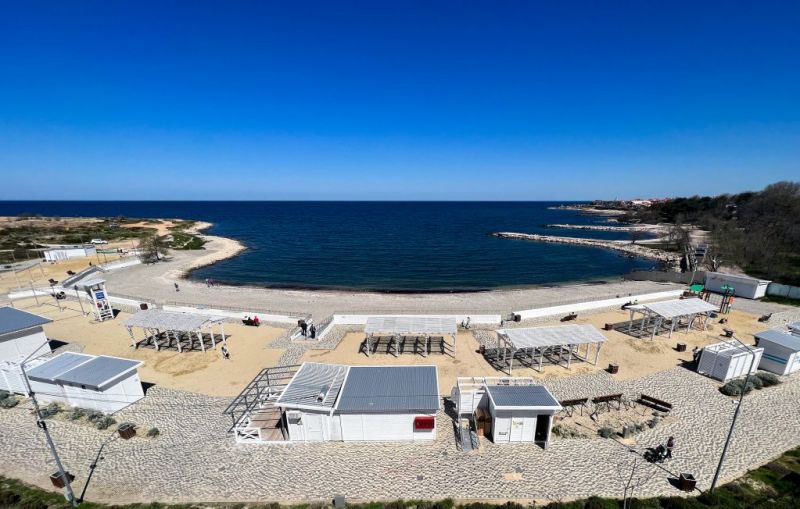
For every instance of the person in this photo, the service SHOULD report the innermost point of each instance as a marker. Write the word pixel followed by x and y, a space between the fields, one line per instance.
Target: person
pixel 177 288
pixel 696 354
pixel 208 283
pixel 313 331
pixel 670 446
pixel 256 321
pixel 225 353
pixel 304 328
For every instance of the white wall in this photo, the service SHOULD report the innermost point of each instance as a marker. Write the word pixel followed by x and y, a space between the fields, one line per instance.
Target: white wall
pixel 565 309
pixel 221 313
pixel 778 359
pixel 517 425
pixel 383 427
pixel 11 378
pixel 16 347
pixel 361 320
pixel 64 254
pixel 113 398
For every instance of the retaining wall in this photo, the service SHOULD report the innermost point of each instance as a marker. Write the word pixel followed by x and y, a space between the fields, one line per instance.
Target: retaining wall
pixel 565 309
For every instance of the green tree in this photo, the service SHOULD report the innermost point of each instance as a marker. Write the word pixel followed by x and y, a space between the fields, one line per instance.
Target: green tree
pixel 152 247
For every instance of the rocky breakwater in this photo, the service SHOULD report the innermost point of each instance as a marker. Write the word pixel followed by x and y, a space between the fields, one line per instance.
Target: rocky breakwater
pixel 621 246
pixel 601 228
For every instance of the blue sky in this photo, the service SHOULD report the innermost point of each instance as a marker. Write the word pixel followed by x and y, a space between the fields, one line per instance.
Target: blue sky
pixel 396 100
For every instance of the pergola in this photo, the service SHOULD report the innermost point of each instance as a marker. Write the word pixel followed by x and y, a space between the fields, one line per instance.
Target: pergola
pixel 170 326
pixel 676 313
pixel 552 341
pixel 421 328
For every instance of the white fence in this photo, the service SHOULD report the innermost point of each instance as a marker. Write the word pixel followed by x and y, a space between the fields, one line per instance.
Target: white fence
pixel 528 314
pixel 362 320
pixel 779 290
pixel 238 315
pixel 121 264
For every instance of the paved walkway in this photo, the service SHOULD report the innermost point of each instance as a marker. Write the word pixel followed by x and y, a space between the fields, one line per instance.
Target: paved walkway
pixel 195 461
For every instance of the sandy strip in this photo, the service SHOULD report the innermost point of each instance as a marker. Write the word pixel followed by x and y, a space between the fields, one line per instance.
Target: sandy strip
pixel 216 249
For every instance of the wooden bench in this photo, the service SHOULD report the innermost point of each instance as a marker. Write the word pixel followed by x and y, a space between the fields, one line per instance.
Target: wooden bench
pixel 570 404
pixel 608 399
pixel 655 403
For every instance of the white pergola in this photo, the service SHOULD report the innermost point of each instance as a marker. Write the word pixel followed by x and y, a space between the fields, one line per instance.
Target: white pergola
pixel 173 326
pixel 419 327
pixel 550 341
pixel 674 312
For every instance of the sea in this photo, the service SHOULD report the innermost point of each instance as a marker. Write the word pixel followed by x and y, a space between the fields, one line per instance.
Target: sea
pixel 380 246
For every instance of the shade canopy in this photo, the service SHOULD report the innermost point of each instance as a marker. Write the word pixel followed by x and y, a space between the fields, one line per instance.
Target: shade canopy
pixel 543 337
pixel 410 325
pixel 670 309
pixel 169 320
pixel 314 385
pixel 521 397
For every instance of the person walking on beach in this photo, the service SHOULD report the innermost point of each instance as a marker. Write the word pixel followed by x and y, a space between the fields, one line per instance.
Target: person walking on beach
pixel 670 446
pixel 208 283
pixel 177 288
pixel 313 331
pixel 225 353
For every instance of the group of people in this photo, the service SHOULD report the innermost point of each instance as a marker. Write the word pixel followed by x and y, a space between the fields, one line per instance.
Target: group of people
pixel 308 331
pixel 252 321
pixel 210 283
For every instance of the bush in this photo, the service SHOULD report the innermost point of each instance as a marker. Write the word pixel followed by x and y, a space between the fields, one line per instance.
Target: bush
pixel 50 410
pixel 126 424
pixel 600 503
pixel 31 503
pixel 767 379
pixel 757 383
pixel 4 394
pixel 606 432
pixel 652 423
pixel 153 432
pixel 76 414
pixel 94 416
pixel 105 422
pixel 9 402
pixel 735 388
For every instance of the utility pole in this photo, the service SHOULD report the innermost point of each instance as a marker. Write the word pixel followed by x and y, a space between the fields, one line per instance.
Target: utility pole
pixel 42 424
pixel 80 302
pixel 735 416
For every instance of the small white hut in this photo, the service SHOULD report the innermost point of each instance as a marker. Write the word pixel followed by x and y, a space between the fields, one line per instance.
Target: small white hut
pixel 102 383
pixel 781 351
pixel 21 336
pixel 723 361
pixel 57 253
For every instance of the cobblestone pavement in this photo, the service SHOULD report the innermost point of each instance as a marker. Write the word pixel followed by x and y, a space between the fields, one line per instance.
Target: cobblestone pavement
pixel 194 459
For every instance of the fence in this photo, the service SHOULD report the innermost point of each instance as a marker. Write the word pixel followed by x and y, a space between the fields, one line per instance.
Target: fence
pixel 779 290
pixel 661 276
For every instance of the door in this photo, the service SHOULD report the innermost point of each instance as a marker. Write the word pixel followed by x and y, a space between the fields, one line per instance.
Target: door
pixel 313 427
pixel 517 428
pixel 502 426
pixel 542 427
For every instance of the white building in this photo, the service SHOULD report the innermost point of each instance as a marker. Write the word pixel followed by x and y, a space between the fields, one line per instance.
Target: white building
pixel 21 336
pixel 743 286
pixel 325 402
pixel 519 409
pixel 102 383
pixel 723 361
pixel 781 351
pixel 57 253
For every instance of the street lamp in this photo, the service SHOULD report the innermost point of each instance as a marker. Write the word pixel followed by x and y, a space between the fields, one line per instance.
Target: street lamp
pixel 735 414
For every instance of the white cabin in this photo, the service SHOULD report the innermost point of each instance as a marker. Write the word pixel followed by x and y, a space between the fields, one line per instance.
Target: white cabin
pixel 102 383
pixel 781 351
pixel 743 286
pixel 21 336
pixel 723 361
pixel 58 253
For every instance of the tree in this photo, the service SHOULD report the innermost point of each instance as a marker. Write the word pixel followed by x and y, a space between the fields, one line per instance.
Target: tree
pixel 636 235
pixel 632 477
pixel 152 247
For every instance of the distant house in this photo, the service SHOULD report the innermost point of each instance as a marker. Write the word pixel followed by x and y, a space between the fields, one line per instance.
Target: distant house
pixel 57 253
pixel 21 336
pixel 743 286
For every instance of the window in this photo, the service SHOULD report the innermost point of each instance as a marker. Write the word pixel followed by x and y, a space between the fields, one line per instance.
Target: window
pixel 424 423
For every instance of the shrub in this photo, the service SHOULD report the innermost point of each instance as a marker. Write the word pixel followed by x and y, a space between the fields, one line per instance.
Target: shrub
pixel 50 410
pixel 767 379
pixel 94 416
pixel 8 499
pixel 76 414
pixel 153 432
pixel 127 425
pixel 757 383
pixel 105 422
pixel 31 503
pixel 9 402
pixel 605 432
pixel 735 388
pixel 600 503
pixel 4 394
pixel 652 423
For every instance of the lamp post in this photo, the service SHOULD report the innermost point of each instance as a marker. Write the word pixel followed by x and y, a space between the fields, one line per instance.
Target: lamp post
pixel 735 415
pixel 42 424
pixel 78 295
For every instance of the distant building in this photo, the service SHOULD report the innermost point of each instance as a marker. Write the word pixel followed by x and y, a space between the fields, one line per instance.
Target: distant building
pixel 57 253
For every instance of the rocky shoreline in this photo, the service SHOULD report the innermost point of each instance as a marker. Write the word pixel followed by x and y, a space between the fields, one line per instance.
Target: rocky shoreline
pixel 600 228
pixel 621 246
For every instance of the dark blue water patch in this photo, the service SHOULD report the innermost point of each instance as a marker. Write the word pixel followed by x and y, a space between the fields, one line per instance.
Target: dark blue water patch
pixel 400 246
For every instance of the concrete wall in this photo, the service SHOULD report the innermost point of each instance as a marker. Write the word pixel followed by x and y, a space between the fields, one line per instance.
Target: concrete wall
pixel 236 315
pixel 777 289
pixel 361 320
pixel 565 309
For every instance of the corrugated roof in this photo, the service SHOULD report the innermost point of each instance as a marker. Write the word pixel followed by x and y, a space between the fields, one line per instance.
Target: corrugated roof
pixel 514 396
pixel 410 325
pixel 389 389
pixel 12 320
pixel 730 349
pixel 169 320
pixel 789 341
pixel 310 381
pixel 98 371
pixel 680 307
pixel 49 370
pixel 542 337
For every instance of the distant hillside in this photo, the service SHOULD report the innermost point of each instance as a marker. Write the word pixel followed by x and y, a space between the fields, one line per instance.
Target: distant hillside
pixel 757 231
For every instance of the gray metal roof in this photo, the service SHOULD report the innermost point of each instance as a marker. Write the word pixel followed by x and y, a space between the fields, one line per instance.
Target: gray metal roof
pixel 726 349
pixel 789 341
pixel 542 337
pixel 389 389
pixel 49 370
pixel 794 328
pixel 410 325
pixel 680 307
pixel 12 320
pixel 98 371
pixel 169 320
pixel 311 380
pixel 516 396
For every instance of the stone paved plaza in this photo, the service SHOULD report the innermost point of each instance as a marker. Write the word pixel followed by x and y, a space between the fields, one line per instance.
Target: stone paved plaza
pixel 194 459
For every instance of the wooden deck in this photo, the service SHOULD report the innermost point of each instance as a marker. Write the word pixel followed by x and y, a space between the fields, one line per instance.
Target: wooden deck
pixel 269 421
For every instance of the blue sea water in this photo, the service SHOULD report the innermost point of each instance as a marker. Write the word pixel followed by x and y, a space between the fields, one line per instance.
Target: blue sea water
pixel 397 246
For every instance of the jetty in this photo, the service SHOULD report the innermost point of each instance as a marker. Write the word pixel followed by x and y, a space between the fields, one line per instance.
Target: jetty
pixel 621 246
pixel 601 228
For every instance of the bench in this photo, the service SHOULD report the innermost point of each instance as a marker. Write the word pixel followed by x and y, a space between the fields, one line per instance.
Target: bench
pixel 607 399
pixel 570 404
pixel 655 403
pixel 570 317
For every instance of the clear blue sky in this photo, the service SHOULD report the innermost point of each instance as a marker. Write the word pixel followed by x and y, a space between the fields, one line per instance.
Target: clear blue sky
pixel 527 100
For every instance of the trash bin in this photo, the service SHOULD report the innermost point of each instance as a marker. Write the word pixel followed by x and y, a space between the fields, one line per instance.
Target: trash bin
pixel 687 482
pixel 143 306
pixel 517 318
pixel 58 480
pixel 609 326
pixel 613 368
pixel 482 349
pixel 681 347
pixel 126 431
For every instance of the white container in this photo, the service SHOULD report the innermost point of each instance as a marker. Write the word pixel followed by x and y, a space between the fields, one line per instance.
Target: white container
pixel 724 361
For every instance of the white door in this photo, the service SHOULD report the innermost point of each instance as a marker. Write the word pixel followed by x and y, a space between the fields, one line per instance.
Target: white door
pixel 517 427
pixel 313 424
pixel 502 426
pixel 529 429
